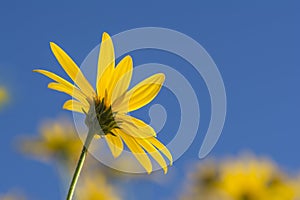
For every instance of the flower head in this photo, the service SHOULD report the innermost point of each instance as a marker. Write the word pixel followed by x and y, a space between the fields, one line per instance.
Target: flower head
pixel 12 196
pixel 57 141
pixel 3 96
pixel 243 178
pixel 107 107
pixel 95 187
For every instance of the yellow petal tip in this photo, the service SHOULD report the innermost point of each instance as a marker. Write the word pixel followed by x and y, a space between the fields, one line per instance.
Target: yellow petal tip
pixel 165 169
pixel 148 169
pixel 53 46
pixel 105 36
pixel 65 105
pixel 128 57
pixel 162 76
pixel 116 156
pixel 171 161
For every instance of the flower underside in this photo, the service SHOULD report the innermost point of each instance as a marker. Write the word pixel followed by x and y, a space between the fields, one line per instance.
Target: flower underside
pixel 100 118
pixel 107 106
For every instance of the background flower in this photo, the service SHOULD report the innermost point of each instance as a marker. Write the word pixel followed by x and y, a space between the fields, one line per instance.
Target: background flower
pixel 95 187
pixel 3 96
pixel 245 177
pixel 13 195
pixel 58 141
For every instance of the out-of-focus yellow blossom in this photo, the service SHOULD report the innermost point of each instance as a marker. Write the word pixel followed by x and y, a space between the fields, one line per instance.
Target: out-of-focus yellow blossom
pixel 3 96
pixel 57 141
pixel 11 196
pixel 245 178
pixel 203 183
pixel 295 184
pixel 257 179
pixel 95 187
pixel 117 170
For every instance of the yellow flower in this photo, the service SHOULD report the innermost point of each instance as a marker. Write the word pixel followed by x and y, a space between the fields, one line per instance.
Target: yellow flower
pixel 203 183
pixel 245 179
pixel 3 96
pixel 107 108
pixel 11 196
pixel 95 187
pixel 256 179
pixel 57 141
pixel 239 179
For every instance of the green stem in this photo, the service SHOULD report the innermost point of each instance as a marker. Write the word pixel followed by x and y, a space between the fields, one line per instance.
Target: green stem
pixel 79 165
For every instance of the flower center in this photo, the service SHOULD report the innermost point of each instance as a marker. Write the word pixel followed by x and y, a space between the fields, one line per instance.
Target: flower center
pixel 100 118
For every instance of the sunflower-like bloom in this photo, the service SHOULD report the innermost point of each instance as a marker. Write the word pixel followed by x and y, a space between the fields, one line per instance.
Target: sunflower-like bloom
pixel 12 196
pixel 57 141
pixel 3 96
pixel 95 187
pixel 256 179
pixel 244 178
pixel 107 107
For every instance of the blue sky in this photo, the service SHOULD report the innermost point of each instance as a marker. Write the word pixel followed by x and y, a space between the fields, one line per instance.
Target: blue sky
pixel 254 45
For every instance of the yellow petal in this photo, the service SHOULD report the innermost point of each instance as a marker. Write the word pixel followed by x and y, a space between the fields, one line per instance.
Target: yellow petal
pixel 104 82
pixel 72 69
pixel 115 144
pixel 106 64
pixel 121 78
pixel 141 94
pixel 74 92
pixel 153 152
pixel 137 151
pixel 54 77
pixel 135 127
pixel 161 148
pixel 76 106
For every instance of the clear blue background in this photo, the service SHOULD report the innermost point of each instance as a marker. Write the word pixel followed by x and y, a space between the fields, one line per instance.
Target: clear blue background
pixel 255 44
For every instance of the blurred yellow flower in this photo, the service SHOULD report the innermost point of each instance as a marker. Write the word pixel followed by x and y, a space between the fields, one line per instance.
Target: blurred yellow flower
pixel 11 196
pixel 95 187
pixel 245 178
pixel 57 141
pixel 107 108
pixel 203 182
pixel 3 96
pixel 250 178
